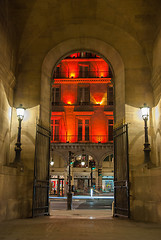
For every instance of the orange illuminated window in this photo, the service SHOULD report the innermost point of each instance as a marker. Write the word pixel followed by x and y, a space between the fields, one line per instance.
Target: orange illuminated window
pixel 83 71
pixel 110 129
pixel 83 95
pixel 57 72
pixel 83 129
pixel 110 96
pixel 55 129
pixel 55 95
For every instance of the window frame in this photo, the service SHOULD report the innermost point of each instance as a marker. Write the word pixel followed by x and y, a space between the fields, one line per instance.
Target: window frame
pixel 110 139
pixel 84 137
pixel 56 99
pixel 84 95
pixel 53 125
pixel 110 98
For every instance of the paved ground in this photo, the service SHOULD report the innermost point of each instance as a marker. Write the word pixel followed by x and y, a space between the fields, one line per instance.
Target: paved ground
pixel 77 228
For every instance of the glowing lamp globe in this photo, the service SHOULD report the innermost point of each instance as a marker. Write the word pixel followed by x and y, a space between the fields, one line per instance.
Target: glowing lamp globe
pixel 83 163
pixel 20 112
pixel 52 163
pixel 145 111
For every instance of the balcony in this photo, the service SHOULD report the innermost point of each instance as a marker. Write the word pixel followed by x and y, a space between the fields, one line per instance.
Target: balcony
pixel 81 139
pixel 82 74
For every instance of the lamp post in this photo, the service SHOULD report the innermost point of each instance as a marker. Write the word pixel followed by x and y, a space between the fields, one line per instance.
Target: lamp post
pixel 147 149
pixel 51 159
pixel 20 115
pixel 69 193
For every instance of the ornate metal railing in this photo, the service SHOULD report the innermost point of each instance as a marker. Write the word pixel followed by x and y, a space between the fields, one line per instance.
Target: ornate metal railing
pixel 82 74
pixel 82 138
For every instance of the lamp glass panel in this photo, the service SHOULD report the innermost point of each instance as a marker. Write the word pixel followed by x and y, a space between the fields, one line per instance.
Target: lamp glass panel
pixel 20 112
pixel 52 163
pixel 145 112
pixel 82 163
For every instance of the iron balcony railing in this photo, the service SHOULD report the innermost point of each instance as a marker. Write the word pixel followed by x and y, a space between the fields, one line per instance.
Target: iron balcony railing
pixel 83 74
pixel 82 138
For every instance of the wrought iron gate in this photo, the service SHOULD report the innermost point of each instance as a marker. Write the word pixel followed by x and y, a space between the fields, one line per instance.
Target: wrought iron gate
pixel 41 172
pixel 121 172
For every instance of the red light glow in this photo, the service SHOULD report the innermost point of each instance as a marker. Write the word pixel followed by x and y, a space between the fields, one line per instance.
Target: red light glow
pixel 72 75
pixel 68 99
pixel 98 98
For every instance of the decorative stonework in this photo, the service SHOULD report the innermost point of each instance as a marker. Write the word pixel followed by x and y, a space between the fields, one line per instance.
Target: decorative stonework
pixel 97 150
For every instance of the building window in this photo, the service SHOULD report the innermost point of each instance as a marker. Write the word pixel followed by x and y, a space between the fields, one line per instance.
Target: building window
pixel 57 72
pixel 83 71
pixel 83 129
pixel 110 96
pixel 55 95
pixel 109 158
pixel 55 128
pixel 110 130
pixel 84 95
pixel 51 130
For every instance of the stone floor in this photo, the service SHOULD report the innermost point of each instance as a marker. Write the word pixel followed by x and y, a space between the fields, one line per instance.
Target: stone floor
pixel 78 225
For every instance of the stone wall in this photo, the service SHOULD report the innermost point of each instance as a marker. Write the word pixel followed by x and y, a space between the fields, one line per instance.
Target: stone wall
pixel 145 181
pixel 16 187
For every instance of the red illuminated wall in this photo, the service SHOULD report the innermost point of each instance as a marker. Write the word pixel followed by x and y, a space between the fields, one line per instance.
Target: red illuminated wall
pixel 69 111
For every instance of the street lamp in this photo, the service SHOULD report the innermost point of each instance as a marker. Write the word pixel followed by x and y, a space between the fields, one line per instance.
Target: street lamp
pixel 52 161
pixel 147 149
pixel 20 115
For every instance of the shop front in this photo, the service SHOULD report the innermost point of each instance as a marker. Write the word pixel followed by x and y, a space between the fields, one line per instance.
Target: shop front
pixel 57 185
pixel 108 184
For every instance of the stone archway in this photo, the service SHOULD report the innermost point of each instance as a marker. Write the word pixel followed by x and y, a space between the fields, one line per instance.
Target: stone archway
pixel 94 45
pixel 107 52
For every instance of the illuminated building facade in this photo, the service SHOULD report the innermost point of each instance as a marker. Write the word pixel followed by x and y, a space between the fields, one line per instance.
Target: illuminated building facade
pixel 82 122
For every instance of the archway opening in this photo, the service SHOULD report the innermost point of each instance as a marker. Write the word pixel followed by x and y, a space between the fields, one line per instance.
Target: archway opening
pixel 82 118
pixel 102 49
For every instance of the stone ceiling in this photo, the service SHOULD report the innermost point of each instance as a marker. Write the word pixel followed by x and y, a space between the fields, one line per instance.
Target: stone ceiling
pixel 129 26
pixel 35 19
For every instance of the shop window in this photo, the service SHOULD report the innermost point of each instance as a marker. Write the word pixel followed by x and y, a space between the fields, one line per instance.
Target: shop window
pixel 110 130
pixel 83 95
pixel 110 96
pixel 55 95
pixel 83 129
